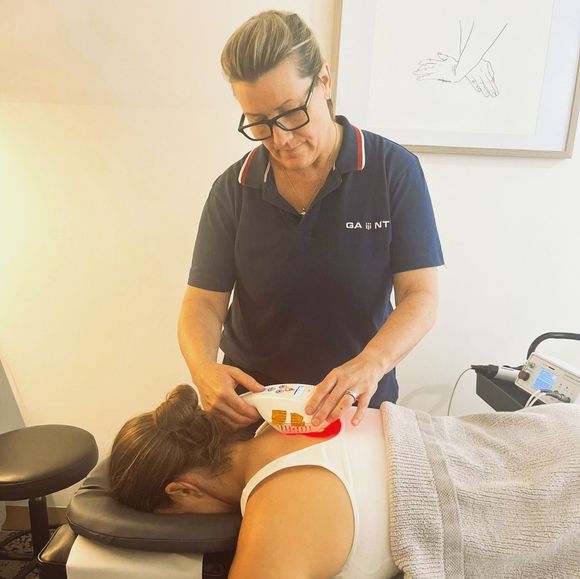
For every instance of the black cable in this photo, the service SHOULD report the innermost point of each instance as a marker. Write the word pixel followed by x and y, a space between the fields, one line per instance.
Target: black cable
pixel 559 396
pixel 551 335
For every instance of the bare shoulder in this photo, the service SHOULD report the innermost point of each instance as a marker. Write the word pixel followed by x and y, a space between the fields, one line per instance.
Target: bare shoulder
pixel 298 524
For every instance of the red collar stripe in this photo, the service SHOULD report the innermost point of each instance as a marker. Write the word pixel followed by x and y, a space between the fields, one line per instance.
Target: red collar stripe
pixel 360 141
pixel 246 166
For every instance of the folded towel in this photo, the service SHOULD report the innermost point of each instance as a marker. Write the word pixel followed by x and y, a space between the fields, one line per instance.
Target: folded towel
pixel 485 496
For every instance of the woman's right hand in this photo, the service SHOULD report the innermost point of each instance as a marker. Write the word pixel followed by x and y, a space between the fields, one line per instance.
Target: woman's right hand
pixel 216 384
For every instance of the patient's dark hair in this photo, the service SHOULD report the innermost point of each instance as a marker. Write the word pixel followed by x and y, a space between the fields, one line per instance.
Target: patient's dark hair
pixel 154 448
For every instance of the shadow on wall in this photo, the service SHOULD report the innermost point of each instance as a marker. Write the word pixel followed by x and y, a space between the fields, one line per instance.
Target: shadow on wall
pixel 432 398
pixel 10 418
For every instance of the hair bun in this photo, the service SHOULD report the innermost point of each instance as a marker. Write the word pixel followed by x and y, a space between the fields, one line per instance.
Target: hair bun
pixel 180 409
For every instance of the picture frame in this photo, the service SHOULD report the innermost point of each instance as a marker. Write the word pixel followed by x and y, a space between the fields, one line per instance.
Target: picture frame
pixel 396 60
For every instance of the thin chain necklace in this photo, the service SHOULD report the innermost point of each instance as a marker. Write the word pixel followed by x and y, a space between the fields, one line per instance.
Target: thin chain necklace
pixel 319 185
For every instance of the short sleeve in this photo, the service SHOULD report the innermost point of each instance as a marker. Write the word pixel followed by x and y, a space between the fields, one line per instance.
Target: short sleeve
pixel 213 263
pixel 415 241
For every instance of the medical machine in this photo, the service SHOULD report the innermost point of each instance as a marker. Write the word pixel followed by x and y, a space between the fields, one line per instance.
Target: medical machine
pixel 283 407
pixel 542 377
pixel 559 380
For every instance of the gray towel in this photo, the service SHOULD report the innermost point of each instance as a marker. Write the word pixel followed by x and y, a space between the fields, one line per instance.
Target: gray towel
pixel 485 496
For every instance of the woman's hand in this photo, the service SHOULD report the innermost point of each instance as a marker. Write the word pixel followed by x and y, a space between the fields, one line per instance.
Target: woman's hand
pixel 359 376
pixel 199 330
pixel 216 384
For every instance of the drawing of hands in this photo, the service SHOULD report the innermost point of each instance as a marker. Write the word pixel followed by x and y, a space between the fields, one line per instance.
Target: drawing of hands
pixel 470 64
pixel 482 79
pixel 444 69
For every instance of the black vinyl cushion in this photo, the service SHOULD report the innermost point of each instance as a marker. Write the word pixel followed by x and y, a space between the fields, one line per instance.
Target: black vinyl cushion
pixel 39 460
pixel 94 514
pixel 57 550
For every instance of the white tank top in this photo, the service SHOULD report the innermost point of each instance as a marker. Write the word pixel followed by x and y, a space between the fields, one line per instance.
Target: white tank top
pixel 357 457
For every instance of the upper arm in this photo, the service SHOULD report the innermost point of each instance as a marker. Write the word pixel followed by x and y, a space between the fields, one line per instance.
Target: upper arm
pixel 298 524
pixel 215 301
pixel 423 280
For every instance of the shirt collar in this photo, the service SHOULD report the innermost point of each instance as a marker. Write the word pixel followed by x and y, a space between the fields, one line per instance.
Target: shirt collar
pixel 351 157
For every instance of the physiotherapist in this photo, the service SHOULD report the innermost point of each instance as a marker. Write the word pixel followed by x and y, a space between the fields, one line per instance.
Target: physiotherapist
pixel 311 230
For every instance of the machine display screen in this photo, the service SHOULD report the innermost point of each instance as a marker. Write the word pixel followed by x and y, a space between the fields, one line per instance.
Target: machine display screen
pixel 545 380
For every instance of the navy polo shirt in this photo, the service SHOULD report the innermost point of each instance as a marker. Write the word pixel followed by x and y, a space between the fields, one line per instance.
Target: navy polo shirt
pixel 311 291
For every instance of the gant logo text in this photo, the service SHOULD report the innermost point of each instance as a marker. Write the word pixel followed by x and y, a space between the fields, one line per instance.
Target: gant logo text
pixel 367 224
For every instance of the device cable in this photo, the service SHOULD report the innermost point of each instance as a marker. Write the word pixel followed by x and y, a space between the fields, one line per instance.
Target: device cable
pixel 536 395
pixel 559 396
pixel 455 388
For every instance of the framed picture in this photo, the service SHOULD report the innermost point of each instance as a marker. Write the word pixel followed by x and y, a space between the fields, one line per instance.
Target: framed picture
pixel 463 76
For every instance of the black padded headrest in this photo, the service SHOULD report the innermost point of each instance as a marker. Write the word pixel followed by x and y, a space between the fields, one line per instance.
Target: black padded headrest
pixel 94 514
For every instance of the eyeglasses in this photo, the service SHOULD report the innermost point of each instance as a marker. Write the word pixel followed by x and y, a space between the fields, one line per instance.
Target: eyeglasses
pixel 288 121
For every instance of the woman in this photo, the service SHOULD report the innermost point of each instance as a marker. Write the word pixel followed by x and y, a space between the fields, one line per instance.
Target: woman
pixel 326 518
pixel 489 495
pixel 314 228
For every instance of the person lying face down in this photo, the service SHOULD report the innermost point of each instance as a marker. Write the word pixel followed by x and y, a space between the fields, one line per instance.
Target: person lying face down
pixel 484 495
pixel 319 504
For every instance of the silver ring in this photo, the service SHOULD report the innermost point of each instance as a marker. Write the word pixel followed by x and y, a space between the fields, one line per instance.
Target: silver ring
pixel 354 395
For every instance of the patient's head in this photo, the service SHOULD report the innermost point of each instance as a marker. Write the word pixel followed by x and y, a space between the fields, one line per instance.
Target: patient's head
pixel 153 449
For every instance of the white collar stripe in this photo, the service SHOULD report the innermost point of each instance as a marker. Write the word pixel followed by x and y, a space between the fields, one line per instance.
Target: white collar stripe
pixel 360 141
pixel 244 170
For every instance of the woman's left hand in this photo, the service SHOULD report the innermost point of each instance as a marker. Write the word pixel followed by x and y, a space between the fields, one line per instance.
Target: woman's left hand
pixel 356 379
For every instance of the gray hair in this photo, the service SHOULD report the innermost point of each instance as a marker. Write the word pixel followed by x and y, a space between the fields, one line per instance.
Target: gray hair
pixel 267 39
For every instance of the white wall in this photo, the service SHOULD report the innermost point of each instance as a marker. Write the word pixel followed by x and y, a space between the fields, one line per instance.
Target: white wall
pixel 115 120
pixel 510 238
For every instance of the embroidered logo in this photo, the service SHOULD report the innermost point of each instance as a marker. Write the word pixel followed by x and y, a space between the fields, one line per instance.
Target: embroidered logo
pixel 368 225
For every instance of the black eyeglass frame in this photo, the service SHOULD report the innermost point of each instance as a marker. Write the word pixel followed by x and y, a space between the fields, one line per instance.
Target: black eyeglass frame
pixel 275 120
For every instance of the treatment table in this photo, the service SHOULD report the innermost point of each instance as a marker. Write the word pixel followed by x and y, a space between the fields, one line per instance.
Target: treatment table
pixel 104 538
